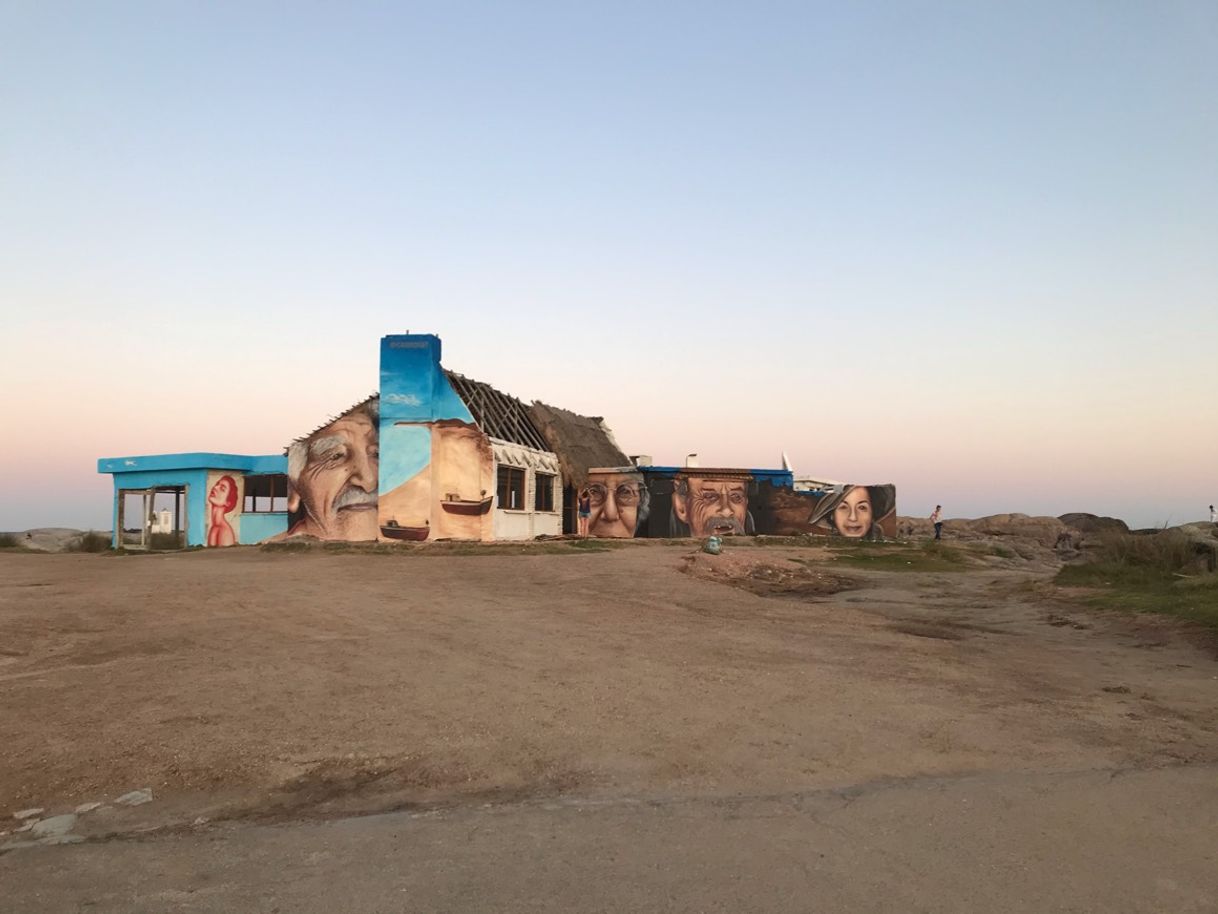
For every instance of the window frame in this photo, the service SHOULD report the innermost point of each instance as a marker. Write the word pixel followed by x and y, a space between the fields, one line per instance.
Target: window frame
pixel 272 487
pixel 500 489
pixel 550 479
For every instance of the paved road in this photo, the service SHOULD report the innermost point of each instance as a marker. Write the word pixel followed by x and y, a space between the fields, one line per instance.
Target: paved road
pixel 1111 841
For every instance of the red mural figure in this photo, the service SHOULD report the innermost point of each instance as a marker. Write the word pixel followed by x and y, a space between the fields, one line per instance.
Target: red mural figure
pixel 221 500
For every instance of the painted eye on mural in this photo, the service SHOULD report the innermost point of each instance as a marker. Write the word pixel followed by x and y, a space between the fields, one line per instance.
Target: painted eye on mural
pixel 737 498
pixel 626 494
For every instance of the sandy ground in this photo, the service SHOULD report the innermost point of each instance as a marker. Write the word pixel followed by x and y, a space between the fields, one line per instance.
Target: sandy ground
pixel 247 684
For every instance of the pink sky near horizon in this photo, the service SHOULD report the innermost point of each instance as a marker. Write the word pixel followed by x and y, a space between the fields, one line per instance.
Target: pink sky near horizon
pixel 1110 451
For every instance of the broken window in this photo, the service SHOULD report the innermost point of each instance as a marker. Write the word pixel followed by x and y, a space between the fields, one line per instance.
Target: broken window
pixel 266 494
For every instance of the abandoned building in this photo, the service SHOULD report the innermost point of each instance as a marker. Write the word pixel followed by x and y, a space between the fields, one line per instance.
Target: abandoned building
pixel 436 455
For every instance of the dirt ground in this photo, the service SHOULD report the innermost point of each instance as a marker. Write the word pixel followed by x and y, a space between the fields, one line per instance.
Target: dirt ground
pixel 244 683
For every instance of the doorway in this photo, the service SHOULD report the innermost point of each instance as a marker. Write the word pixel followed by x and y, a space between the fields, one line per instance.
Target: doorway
pixel 152 518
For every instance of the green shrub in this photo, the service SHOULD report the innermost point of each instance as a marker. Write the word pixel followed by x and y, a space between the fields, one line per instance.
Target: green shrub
pixel 9 541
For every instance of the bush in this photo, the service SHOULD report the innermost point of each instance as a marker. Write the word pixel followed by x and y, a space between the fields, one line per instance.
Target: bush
pixel 89 542
pixel 1153 572
pixel 1169 551
pixel 9 541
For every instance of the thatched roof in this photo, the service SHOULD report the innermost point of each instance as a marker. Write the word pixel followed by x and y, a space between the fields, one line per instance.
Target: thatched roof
pixel 581 442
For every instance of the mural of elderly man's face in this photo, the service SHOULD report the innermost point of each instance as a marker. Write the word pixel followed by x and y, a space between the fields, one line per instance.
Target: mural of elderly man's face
pixel 853 515
pixel 711 506
pixel 336 487
pixel 614 500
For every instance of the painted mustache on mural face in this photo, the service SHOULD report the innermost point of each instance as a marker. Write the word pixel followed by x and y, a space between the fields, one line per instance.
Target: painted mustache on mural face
pixel 355 498
pixel 724 526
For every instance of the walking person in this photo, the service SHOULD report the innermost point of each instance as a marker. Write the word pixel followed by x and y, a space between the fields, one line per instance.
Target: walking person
pixel 936 518
pixel 1213 515
pixel 585 511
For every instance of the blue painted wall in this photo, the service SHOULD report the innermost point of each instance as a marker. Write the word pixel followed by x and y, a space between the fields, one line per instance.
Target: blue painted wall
pixel 150 470
pixel 414 387
pixel 196 497
pixel 266 463
pixel 774 477
pixel 257 527
pixel 414 392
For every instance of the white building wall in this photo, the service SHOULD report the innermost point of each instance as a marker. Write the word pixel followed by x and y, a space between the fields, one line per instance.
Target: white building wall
pixel 527 524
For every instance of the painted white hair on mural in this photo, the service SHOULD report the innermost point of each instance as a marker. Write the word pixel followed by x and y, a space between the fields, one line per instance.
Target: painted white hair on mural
pixel 298 456
pixel 299 450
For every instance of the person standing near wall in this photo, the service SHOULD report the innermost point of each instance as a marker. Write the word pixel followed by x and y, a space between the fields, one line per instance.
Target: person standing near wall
pixel 936 518
pixel 585 511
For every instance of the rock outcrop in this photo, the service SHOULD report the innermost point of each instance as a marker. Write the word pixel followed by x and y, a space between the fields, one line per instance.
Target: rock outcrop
pixel 1094 523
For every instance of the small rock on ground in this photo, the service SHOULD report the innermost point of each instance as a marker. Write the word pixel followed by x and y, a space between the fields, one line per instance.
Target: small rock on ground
pixel 28 813
pixel 53 827
pixel 86 807
pixel 135 797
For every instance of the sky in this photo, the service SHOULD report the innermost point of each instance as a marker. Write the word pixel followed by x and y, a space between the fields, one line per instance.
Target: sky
pixel 967 248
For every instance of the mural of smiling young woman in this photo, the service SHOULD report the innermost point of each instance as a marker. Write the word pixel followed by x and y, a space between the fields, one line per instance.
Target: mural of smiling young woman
pixel 857 512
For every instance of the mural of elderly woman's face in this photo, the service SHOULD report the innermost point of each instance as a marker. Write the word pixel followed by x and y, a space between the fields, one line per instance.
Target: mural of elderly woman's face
pixel 853 516
pixel 614 500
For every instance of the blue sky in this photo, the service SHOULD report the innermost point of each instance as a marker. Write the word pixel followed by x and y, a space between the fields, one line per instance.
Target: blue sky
pixel 968 248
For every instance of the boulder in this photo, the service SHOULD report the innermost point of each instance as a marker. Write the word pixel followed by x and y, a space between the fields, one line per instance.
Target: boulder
pixel 1093 523
pixel 1044 530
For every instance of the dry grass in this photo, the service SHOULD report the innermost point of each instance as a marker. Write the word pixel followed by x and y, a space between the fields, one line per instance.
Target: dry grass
pixel 89 542
pixel 1154 573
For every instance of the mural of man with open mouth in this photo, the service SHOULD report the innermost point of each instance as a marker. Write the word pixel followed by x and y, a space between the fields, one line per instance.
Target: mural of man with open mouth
pixel 712 506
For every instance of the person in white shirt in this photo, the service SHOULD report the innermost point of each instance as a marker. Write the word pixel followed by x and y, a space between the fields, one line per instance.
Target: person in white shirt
pixel 1213 515
pixel 936 518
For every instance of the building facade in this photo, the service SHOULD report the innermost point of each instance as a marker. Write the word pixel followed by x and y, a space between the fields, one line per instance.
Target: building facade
pixel 435 455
